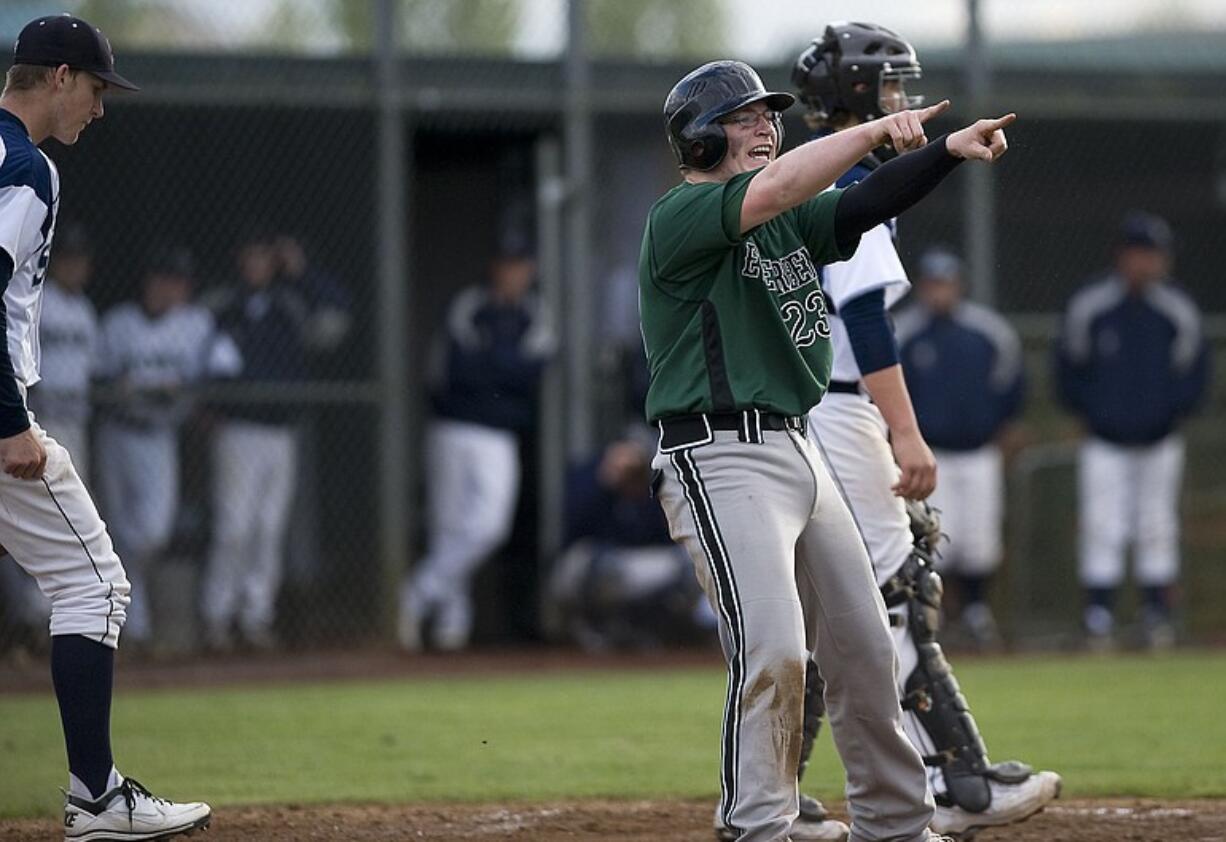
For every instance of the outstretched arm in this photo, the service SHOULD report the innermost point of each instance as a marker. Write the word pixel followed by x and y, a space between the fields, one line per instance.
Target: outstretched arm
pixel 898 184
pixel 807 170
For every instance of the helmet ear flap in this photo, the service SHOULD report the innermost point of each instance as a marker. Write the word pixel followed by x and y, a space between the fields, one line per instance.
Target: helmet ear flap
pixel 704 148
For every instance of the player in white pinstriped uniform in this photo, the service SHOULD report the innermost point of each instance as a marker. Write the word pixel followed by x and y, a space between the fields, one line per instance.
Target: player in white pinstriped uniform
pixel 61 66
pixel 867 433
pixel 152 351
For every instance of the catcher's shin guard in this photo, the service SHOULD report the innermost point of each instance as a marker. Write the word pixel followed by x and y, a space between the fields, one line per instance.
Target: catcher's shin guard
pixel 933 695
pixel 815 709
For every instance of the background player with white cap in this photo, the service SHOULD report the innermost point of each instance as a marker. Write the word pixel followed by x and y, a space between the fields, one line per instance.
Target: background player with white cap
pixel 48 522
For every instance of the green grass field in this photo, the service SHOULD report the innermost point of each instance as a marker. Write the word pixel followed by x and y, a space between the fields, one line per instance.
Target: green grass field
pixel 1128 725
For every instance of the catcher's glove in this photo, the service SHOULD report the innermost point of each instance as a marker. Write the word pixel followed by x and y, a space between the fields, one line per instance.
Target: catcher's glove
pixel 925 525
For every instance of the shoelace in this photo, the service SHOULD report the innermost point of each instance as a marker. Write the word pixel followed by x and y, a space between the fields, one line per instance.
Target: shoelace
pixel 131 788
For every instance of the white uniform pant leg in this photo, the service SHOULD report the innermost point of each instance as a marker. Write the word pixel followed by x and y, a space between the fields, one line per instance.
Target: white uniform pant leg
pixel 237 488
pixel 859 655
pixel 52 529
pixel 969 498
pixel 1107 498
pixel 278 472
pixel 474 485
pixel 1159 475
pixel 738 511
pixel 852 438
pixel 73 434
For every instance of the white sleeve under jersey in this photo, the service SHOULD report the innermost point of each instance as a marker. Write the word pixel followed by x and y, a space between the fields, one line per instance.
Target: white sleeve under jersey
pixel 875 265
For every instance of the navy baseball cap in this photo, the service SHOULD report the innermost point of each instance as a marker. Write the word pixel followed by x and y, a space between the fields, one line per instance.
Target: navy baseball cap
pixel 63 39
pixel 1144 230
pixel 940 264
pixel 516 245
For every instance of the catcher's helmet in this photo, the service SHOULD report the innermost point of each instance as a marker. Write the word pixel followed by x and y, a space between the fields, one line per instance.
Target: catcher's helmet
pixel 843 70
pixel 695 104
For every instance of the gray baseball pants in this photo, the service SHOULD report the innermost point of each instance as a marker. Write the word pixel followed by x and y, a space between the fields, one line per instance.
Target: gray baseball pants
pixel 779 557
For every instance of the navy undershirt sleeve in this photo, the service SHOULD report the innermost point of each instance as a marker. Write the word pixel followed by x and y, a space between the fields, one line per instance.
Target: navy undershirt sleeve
pixel 869 330
pixel 13 416
pixel 890 189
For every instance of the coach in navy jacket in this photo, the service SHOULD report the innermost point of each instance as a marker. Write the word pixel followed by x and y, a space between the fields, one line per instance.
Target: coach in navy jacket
pixel 1132 363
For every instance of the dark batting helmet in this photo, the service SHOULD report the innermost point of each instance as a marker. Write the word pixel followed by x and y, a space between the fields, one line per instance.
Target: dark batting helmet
pixel 695 104
pixel 842 72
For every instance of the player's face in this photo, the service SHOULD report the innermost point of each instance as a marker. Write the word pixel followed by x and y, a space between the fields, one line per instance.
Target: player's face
pixel 1140 265
pixel 72 271
pixel 752 142
pixel 78 103
pixel 940 295
pixel 257 264
pixel 512 277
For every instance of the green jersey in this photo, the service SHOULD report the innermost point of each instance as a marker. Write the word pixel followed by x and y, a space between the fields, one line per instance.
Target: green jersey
pixel 735 321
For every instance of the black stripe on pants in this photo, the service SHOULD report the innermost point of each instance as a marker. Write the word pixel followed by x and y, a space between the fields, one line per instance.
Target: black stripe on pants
pixel 730 609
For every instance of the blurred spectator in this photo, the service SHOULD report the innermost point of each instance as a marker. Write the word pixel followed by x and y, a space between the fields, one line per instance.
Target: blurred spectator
pixel 68 338
pixel 1132 363
pixel 621 581
pixel 963 366
pixel 279 310
pixel 486 372
pixel 152 352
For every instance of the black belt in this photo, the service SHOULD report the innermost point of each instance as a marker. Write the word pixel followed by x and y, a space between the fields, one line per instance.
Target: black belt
pixel 844 387
pixel 682 431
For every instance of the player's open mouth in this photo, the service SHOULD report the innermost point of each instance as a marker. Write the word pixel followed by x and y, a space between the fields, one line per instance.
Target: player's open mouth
pixel 761 152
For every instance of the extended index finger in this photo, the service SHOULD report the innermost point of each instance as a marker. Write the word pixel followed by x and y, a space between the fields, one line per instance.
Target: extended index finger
pixel 1001 122
pixel 926 114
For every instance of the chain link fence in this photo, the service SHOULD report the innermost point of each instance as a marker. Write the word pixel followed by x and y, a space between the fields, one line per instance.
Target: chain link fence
pixel 249 185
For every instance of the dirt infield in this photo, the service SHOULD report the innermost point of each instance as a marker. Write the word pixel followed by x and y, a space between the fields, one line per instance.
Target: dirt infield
pixel 1117 820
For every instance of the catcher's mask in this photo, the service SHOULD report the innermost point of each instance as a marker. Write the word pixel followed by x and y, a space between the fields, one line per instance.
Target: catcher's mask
pixel 695 104
pixel 845 71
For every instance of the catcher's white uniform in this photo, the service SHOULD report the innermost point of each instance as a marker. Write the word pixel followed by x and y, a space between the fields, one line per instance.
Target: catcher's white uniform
pixel 853 439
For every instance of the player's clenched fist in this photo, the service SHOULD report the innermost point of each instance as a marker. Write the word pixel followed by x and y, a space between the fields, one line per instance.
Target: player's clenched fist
pixel 983 140
pixel 23 456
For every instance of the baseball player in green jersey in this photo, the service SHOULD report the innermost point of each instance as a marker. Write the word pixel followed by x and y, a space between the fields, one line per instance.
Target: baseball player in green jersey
pixel 738 344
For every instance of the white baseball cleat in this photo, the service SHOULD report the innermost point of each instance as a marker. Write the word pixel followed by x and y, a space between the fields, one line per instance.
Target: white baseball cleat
pixel 1011 803
pixel 131 812
pixel 803 830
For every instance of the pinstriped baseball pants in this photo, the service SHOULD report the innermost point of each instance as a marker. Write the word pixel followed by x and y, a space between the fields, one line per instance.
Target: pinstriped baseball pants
pixel 764 526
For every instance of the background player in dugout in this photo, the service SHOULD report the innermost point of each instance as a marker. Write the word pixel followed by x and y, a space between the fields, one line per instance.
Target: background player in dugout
pixel 866 431
pixel 737 340
pixel 61 67
pixel 1132 363
pixel 485 372
pixel 963 366
pixel 281 311
pixel 153 352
